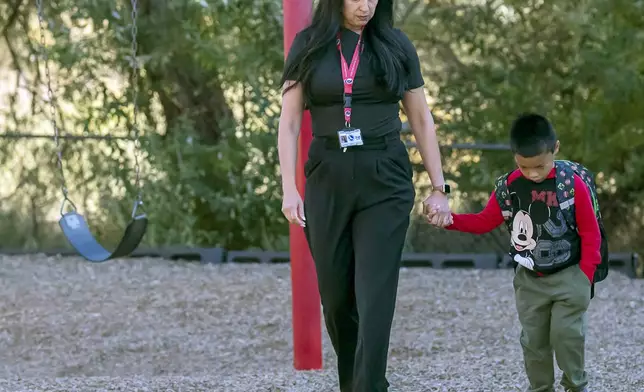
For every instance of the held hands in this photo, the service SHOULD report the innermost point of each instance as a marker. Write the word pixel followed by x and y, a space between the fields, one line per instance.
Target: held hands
pixel 436 209
pixel 293 207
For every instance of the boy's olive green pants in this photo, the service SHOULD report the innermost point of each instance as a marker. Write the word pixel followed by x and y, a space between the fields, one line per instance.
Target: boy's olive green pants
pixel 552 313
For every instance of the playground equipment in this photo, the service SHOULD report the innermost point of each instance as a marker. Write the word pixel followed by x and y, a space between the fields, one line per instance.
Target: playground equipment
pixel 73 224
pixel 307 324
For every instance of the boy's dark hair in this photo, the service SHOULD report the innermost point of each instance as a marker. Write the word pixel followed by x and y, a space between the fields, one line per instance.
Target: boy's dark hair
pixel 531 135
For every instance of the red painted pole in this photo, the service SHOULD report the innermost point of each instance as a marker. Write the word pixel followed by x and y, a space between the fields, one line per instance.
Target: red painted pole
pixel 307 327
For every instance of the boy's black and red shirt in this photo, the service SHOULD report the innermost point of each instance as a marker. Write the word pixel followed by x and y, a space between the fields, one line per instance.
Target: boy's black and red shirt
pixel 539 230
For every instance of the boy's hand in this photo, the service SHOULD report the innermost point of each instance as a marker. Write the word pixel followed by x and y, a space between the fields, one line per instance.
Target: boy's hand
pixel 436 208
pixel 438 219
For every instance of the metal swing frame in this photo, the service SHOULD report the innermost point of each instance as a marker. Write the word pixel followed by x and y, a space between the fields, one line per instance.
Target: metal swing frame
pixel 73 224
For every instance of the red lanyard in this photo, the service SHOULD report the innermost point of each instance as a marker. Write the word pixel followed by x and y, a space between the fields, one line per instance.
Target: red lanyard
pixel 348 76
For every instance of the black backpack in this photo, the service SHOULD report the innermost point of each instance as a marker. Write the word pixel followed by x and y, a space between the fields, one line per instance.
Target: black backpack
pixel 565 183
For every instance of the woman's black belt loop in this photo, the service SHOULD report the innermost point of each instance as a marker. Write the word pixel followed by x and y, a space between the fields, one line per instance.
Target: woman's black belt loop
pixel 369 143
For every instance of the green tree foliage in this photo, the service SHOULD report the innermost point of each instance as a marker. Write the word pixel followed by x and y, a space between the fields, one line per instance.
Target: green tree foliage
pixel 209 105
pixel 208 102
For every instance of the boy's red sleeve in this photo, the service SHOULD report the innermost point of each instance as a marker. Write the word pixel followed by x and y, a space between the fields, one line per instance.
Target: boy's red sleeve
pixel 588 229
pixel 483 222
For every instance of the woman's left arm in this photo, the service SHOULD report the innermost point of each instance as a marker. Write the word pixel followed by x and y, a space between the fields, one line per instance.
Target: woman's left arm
pixel 422 126
pixel 424 130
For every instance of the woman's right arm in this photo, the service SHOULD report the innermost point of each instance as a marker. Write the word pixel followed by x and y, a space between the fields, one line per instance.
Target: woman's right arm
pixel 287 135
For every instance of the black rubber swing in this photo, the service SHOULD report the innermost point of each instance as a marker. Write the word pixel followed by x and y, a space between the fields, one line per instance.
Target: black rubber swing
pixel 73 224
pixel 80 237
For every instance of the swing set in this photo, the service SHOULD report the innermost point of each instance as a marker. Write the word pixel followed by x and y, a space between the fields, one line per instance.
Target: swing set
pixel 72 223
pixel 307 340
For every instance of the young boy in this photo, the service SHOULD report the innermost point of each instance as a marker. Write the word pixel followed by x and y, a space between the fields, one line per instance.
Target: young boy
pixel 555 264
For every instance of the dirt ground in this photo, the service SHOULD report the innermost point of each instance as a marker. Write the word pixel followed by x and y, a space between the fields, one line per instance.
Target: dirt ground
pixel 154 325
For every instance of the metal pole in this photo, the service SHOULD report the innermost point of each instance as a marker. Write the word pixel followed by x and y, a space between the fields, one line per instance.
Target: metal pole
pixel 307 325
pixel 453 146
pixel 16 135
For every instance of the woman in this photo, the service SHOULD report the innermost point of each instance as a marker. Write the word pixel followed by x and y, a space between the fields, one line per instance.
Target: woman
pixel 351 68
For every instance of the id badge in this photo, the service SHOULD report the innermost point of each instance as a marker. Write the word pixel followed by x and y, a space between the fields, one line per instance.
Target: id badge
pixel 350 137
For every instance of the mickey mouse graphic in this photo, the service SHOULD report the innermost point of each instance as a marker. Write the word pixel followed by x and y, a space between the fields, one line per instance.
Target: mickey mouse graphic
pixel 523 233
pixel 522 239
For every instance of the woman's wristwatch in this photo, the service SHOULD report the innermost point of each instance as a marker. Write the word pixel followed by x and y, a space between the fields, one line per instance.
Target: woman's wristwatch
pixel 445 189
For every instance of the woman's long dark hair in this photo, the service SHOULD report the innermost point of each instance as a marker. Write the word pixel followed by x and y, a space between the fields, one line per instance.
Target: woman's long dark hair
pixel 388 57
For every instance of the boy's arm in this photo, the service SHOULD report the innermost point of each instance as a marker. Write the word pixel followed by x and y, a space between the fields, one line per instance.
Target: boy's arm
pixel 588 229
pixel 483 222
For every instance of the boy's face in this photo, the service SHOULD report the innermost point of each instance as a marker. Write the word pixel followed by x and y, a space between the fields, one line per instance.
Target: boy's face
pixel 538 167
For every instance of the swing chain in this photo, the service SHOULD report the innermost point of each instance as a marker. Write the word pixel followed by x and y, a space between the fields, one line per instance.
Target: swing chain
pixel 135 86
pixel 53 113
pixel 52 109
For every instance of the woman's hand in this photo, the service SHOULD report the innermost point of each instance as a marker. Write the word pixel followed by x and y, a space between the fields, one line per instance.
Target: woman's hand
pixel 293 207
pixel 436 209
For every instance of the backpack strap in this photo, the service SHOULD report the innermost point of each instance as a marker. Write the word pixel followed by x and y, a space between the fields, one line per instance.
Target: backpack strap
pixel 565 183
pixel 588 177
pixel 565 180
pixel 502 195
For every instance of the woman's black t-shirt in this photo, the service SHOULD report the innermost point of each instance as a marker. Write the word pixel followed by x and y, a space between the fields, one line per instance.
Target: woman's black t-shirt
pixel 375 111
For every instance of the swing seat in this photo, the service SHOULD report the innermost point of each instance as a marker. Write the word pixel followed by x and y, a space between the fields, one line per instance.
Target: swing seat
pixel 77 231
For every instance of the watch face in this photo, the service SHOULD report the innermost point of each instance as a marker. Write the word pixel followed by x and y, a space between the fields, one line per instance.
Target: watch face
pixel 446 188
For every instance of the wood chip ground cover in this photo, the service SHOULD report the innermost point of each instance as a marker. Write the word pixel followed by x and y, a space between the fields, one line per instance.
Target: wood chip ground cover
pixel 155 325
